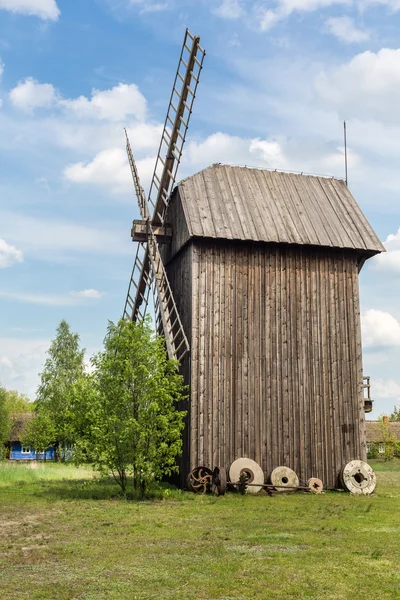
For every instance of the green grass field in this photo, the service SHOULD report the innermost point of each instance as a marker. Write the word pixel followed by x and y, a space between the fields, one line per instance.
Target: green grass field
pixel 67 535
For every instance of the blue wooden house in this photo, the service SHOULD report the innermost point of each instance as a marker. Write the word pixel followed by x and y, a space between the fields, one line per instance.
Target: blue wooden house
pixel 19 451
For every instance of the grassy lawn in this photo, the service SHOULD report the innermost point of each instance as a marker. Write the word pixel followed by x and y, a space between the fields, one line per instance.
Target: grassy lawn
pixel 67 535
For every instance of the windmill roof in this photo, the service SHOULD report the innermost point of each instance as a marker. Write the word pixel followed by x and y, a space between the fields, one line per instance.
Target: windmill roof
pixel 241 203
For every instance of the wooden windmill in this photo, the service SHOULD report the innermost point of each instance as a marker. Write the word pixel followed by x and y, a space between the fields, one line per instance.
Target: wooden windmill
pixel 257 294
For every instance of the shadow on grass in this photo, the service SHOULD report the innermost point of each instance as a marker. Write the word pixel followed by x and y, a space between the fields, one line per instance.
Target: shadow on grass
pixel 104 488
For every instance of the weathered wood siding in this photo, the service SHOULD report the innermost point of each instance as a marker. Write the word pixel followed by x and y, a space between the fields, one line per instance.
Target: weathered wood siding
pixel 179 273
pixel 275 369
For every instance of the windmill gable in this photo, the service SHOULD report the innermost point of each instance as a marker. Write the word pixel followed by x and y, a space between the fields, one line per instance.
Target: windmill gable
pixel 240 203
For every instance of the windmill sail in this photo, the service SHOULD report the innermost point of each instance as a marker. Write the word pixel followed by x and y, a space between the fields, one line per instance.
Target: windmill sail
pixel 176 125
pixel 148 266
pixel 153 271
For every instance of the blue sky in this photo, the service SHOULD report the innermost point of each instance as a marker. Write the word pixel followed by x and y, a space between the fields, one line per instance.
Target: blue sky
pixel 279 78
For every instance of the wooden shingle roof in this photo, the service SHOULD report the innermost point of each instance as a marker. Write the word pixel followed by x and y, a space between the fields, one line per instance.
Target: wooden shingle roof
pixel 240 203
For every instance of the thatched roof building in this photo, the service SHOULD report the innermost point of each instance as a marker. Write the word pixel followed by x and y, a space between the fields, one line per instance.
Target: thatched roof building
pixel 19 422
pixel 374 430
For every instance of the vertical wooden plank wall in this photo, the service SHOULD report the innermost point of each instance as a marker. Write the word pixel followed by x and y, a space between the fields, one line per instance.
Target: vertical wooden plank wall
pixel 276 371
pixel 179 272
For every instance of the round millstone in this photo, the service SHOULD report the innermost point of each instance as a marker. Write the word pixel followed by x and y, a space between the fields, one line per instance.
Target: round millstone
pixel 282 477
pixel 253 471
pixel 358 477
pixel 316 486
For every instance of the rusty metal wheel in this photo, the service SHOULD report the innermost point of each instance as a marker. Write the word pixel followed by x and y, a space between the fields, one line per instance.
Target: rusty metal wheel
pixel 243 479
pixel 200 480
pixel 219 481
pixel 316 486
pixel 358 477
pixel 253 471
pixel 283 477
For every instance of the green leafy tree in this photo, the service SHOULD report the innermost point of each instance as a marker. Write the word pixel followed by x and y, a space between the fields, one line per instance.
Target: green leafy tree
pixel 40 433
pixel 17 403
pixel 129 420
pixel 5 423
pixel 63 368
pixel 388 439
pixel 395 416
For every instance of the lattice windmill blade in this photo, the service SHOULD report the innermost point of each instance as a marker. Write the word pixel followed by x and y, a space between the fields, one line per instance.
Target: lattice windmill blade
pixel 165 307
pixel 176 125
pixel 149 265
pixel 141 277
pixel 141 196
pixel 139 286
pixel 169 156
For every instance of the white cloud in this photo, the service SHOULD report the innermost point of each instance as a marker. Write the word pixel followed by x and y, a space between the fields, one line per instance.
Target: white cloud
pixel 268 17
pixel 9 255
pixel 393 5
pixel 26 355
pixel 43 299
pixel 221 147
pixel 390 260
pixel 111 168
pixel 308 5
pixel 108 167
pixel 90 293
pixel 30 94
pixel 379 329
pixel 5 362
pixel 22 360
pixel 114 105
pixel 230 9
pixel 367 87
pixel 270 153
pixel 83 137
pixel 345 30
pixel 68 299
pixel 342 27
pixel 386 389
pixel 57 240
pixel 45 9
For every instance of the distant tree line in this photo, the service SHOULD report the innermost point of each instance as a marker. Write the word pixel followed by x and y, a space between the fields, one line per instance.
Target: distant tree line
pixel 12 403
pixel 122 415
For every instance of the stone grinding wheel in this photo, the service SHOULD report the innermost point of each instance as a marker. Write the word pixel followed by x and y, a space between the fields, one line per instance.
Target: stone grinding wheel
pixel 283 476
pixel 316 486
pixel 358 477
pixel 253 471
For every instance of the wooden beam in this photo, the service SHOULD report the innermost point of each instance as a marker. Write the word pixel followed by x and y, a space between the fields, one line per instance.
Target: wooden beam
pixel 139 232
